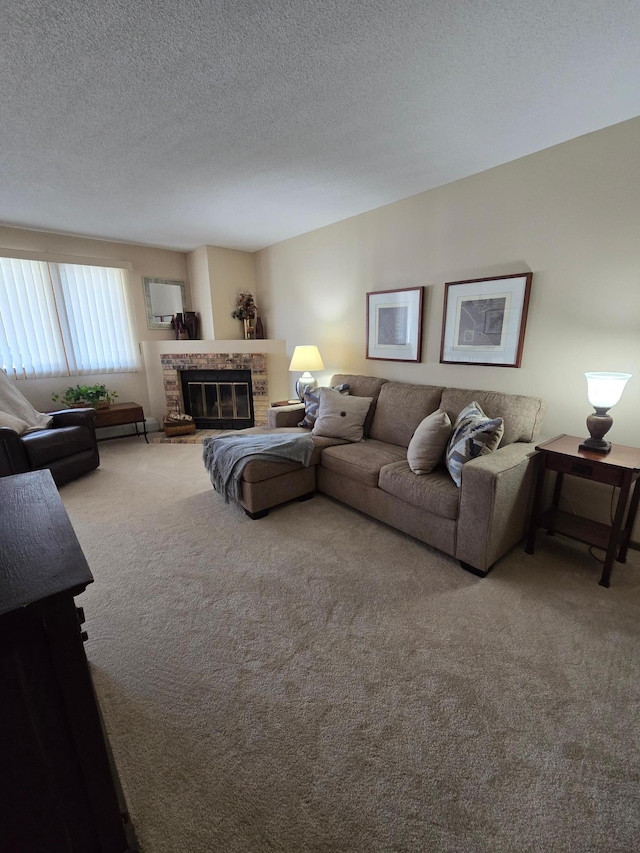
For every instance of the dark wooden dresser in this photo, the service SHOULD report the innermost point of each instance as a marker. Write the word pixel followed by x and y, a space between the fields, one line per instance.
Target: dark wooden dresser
pixel 59 790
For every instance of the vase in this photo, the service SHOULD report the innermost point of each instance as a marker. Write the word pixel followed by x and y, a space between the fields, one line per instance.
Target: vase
pixel 192 325
pixel 249 330
pixel 178 325
pixel 180 328
pixel 259 329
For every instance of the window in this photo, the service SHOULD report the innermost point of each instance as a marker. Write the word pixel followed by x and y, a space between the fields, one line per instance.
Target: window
pixel 59 319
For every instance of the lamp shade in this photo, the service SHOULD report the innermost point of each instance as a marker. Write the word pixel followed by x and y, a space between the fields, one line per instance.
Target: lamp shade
pixel 605 389
pixel 306 359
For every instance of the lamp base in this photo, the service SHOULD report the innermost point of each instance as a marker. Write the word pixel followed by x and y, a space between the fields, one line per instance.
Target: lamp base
pixel 595 445
pixel 598 424
pixel 305 381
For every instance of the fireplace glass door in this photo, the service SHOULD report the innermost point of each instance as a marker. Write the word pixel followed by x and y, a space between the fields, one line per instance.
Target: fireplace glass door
pixel 218 399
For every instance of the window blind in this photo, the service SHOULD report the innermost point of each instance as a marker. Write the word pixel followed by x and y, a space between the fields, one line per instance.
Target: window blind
pixel 60 319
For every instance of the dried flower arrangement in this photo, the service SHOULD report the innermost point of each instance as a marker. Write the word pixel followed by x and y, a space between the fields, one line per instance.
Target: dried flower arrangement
pixel 245 306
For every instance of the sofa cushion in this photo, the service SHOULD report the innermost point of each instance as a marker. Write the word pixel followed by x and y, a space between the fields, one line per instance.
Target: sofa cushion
pixel 49 445
pixel 257 470
pixel 362 461
pixel 362 386
pixel 474 434
pixel 340 416
pixel 429 442
pixel 522 416
pixel 401 408
pixel 435 493
pixel 312 403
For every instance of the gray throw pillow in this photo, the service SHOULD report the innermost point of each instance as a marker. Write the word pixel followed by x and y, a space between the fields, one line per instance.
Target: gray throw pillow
pixel 429 442
pixel 341 417
pixel 312 401
pixel 474 434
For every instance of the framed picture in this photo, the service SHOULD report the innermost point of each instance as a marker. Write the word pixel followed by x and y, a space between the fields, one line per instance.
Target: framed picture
pixel 394 324
pixel 484 320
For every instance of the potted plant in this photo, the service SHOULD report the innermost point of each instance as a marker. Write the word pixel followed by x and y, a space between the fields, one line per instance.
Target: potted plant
pixel 83 396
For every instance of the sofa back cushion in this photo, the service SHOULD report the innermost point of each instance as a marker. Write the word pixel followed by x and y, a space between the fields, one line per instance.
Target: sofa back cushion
pixel 522 416
pixel 401 408
pixel 362 386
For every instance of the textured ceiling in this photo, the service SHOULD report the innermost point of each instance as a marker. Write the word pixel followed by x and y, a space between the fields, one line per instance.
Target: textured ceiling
pixel 237 123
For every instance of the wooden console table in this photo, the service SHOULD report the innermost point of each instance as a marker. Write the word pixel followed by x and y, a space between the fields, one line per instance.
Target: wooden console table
pixel 620 467
pixel 59 789
pixel 122 413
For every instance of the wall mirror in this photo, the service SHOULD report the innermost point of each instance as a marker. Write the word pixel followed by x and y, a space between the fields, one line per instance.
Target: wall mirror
pixel 163 298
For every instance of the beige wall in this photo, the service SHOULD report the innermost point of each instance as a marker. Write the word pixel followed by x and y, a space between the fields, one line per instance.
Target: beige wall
pixel 145 261
pixel 231 271
pixel 217 277
pixel 570 214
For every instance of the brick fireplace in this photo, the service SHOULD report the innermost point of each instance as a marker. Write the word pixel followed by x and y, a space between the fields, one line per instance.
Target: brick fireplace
pixel 256 362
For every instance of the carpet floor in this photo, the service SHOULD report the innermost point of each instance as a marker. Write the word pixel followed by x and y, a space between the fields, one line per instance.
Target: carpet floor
pixel 316 682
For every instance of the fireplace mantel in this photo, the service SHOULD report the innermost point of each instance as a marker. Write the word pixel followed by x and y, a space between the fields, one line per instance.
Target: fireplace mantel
pixel 276 365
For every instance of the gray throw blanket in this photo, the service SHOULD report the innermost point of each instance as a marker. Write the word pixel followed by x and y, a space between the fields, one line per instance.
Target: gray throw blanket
pixel 225 456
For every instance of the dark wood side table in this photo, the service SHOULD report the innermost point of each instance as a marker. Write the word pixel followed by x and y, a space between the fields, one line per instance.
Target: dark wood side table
pixel 620 467
pixel 122 413
pixel 59 789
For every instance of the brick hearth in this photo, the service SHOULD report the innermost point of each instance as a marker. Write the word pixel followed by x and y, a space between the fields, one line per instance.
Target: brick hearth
pixel 256 362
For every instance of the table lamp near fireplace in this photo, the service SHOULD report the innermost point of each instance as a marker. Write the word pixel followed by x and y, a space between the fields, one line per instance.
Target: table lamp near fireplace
pixel 604 390
pixel 305 359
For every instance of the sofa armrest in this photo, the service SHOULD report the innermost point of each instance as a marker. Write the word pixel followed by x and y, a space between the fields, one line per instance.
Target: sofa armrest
pixel 73 417
pixel 285 416
pixel 495 496
pixel 13 457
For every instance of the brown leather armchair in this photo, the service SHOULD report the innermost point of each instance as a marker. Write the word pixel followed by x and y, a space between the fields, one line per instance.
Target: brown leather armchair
pixel 68 448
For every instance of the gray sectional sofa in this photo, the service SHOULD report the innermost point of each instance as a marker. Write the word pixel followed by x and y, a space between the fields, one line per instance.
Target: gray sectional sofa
pixel 476 523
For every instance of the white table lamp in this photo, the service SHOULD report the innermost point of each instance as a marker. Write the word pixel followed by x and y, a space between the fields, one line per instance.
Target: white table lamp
pixel 305 359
